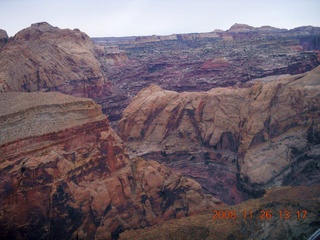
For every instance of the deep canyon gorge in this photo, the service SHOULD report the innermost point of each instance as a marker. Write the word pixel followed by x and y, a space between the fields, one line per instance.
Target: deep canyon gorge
pixel 152 134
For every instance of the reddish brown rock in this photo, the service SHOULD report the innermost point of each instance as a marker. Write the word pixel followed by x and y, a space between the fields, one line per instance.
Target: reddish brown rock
pixel 232 139
pixel 283 213
pixel 218 64
pixel 64 174
pixel 46 58
pixel 201 61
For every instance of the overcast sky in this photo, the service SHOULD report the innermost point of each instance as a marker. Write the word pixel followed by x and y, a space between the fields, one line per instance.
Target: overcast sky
pixel 106 18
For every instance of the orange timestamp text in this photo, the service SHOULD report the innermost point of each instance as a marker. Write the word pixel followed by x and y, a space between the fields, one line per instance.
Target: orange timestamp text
pixel 261 214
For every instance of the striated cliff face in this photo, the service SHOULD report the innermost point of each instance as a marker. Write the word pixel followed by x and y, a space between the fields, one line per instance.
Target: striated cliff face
pixel 201 61
pixel 29 115
pixel 235 141
pixel 65 174
pixel 46 58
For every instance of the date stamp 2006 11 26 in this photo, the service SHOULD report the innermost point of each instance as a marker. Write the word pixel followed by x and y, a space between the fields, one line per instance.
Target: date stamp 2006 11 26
pixel 262 214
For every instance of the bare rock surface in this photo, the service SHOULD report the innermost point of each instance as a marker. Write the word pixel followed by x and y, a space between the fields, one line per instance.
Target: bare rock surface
pixel 46 58
pixel 25 115
pixel 201 61
pixel 283 213
pixel 65 174
pixel 236 142
pixel 3 38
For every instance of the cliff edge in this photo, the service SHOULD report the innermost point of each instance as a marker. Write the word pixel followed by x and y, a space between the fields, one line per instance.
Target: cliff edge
pixel 236 142
pixel 65 174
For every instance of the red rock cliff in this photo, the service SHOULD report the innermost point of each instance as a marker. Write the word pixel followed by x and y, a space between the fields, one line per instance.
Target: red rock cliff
pixel 64 174
pixel 232 139
pixel 202 61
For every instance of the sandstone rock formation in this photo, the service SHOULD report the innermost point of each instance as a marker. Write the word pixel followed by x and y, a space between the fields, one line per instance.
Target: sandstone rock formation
pixel 201 61
pixel 277 224
pixel 64 174
pixel 234 141
pixel 110 55
pixel 46 58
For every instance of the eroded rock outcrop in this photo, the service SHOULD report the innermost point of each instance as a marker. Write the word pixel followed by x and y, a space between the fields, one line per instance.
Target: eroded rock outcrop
pixel 110 55
pixel 232 139
pixel 46 58
pixel 201 61
pixel 64 174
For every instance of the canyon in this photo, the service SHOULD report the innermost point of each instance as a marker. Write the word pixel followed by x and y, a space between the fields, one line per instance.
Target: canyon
pixel 236 142
pixel 65 174
pixel 201 61
pixel 106 135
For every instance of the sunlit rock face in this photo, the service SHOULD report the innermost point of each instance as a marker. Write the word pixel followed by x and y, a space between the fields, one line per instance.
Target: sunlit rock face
pixel 236 142
pixel 201 61
pixel 65 174
pixel 46 58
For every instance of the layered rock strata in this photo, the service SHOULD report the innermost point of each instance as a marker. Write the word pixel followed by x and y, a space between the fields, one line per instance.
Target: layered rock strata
pixel 46 58
pixel 64 174
pixel 201 61
pixel 235 141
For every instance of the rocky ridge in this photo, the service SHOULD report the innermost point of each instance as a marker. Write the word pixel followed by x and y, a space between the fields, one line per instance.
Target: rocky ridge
pixel 201 61
pixel 46 58
pixel 65 174
pixel 236 142
pixel 236 31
